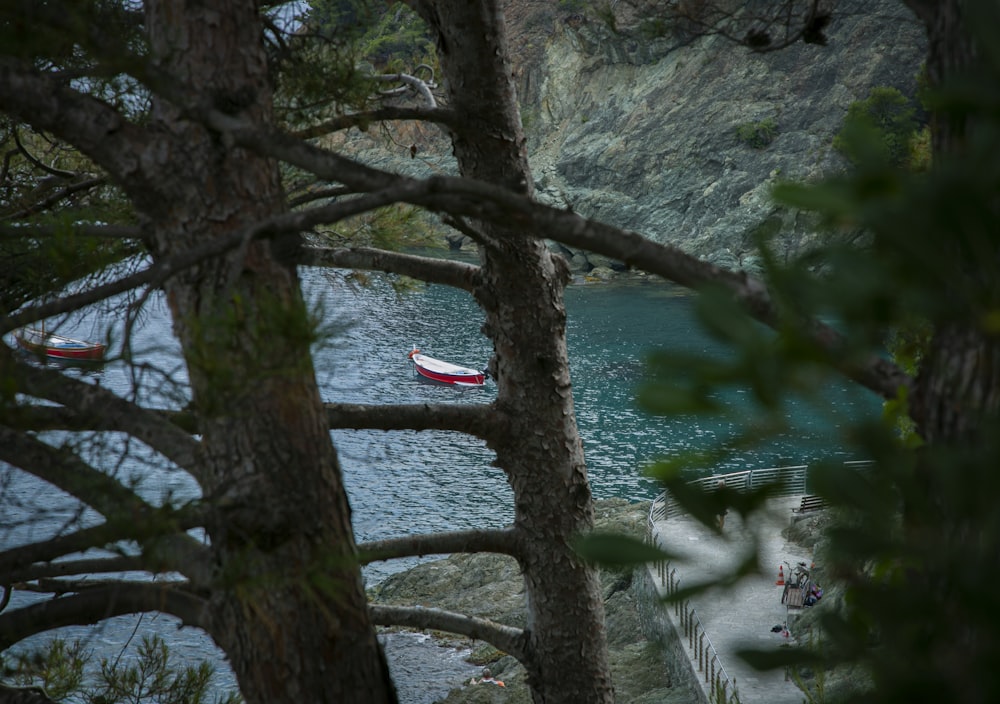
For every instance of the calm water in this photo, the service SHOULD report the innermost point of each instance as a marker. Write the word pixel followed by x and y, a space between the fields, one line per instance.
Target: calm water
pixel 411 482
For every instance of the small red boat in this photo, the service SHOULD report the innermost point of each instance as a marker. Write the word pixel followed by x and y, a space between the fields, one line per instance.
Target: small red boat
pixel 46 344
pixel 445 372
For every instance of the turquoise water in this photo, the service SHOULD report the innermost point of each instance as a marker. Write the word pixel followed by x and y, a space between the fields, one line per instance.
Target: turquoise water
pixel 415 482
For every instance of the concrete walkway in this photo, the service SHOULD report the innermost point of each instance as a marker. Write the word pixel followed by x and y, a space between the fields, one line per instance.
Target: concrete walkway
pixel 741 616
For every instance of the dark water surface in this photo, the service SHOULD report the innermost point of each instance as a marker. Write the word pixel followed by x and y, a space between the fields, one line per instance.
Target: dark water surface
pixel 408 482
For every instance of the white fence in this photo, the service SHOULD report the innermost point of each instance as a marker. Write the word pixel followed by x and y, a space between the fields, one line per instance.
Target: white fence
pixel 787 481
pixel 721 688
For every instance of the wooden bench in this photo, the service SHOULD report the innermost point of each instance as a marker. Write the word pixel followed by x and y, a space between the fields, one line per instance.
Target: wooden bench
pixel 795 597
pixel 810 503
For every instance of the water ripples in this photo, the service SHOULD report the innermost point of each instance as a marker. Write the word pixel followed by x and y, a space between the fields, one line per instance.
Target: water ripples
pixel 403 483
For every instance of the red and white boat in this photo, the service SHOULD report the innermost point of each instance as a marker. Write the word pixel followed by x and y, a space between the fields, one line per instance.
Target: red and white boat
pixel 47 344
pixel 445 372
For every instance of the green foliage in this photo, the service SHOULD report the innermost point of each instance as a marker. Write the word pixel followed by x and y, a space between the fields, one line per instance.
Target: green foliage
pixel 896 413
pixel 318 81
pixel 927 229
pixel 151 677
pixel 383 33
pixel 59 669
pixel 707 505
pixel 330 67
pixel 916 537
pixel 907 343
pixel 38 174
pixel 757 135
pixel 920 152
pixel 654 28
pixel 59 30
pixel 393 227
pixel 618 550
pixel 884 122
pixel 605 13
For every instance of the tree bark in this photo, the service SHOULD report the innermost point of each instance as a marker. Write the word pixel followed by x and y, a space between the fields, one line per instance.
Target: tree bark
pixel 959 383
pixel 955 403
pixel 521 292
pixel 289 608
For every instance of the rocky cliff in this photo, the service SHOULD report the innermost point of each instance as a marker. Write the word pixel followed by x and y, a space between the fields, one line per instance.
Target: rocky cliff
pixel 642 133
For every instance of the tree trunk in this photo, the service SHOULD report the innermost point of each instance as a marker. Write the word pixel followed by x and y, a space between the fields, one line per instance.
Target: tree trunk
pixel 959 383
pixel 288 605
pixel 949 51
pixel 956 399
pixel 522 295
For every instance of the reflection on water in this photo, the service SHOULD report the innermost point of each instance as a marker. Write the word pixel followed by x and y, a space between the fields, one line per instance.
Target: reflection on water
pixel 402 483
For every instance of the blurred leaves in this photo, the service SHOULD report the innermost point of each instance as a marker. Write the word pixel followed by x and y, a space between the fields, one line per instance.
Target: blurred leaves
pixel 880 127
pixel 704 505
pixel 910 253
pixel 773 659
pixel 618 550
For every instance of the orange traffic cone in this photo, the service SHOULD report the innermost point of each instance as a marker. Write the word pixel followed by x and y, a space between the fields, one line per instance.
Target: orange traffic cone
pixel 781 575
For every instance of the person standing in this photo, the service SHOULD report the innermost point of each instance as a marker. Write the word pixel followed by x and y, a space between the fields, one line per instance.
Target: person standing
pixel 720 518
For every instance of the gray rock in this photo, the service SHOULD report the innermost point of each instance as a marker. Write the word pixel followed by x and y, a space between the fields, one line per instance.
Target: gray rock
pixel 490 586
pixel 627 132
pixel 642 134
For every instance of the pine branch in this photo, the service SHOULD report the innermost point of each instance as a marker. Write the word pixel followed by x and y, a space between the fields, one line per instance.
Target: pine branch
pixel 54 197
pixel 111 412
pixel 512 641
pixel 65 568
pixel 95 605
pixel 475 199
pixel 441 116
pixel 315 194
pixel 429 269
pixel 165 544
pixel 178 553
pixel 502 206
pixel 161 270
pixel 479 420
pixel 104 232
pixel 465 541
pixel 65 470
pixel 41 418
pixel 154 275
pixel 47 102
pixel 410 84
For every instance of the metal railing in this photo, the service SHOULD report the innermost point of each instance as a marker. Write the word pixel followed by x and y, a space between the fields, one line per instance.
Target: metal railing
pixel 788 481
pixel 721 687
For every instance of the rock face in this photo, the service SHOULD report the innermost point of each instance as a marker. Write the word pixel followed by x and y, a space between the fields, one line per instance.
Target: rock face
pixel 490 586
pixel 642 132
pixel 644 137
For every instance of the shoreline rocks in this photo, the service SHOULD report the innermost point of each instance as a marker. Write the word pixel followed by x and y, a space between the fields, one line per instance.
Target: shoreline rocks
pixel 490 586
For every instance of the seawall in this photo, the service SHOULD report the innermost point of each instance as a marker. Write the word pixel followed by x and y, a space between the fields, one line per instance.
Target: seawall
pixel 657 626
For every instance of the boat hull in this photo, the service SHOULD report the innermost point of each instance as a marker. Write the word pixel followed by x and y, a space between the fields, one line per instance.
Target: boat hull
pixel 446 372
pixel 53 346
